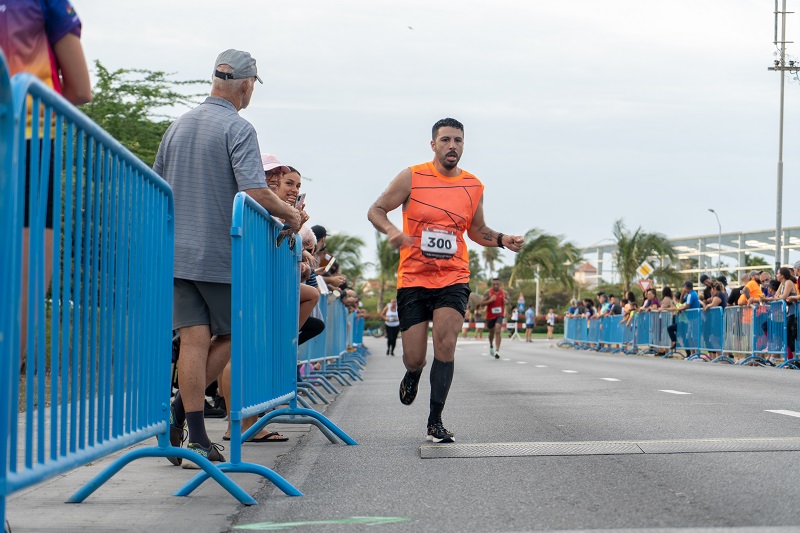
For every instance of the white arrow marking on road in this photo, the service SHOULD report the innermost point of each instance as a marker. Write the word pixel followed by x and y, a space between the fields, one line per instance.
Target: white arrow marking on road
pixel 570 371
pixel 784 412
pixel 609 379
pixel 674 392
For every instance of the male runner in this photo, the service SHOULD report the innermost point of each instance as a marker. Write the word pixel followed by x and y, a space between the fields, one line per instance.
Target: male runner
pixel 495 300
pixel 440 202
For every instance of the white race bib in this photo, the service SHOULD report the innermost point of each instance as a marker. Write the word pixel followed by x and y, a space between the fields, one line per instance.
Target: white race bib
pixel 497 310
pixel 438 243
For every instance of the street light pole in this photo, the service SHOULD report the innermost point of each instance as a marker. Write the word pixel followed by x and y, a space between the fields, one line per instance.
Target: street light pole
pixel 780 66
pixel 719 245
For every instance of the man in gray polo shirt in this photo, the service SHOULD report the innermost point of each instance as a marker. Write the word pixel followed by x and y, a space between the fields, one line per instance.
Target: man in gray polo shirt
pixel 207 156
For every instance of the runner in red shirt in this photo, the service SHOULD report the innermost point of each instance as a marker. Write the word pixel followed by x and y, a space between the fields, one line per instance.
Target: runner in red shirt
pixel 495 300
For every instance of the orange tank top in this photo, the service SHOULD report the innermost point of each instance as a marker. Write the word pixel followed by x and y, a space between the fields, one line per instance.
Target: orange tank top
pixel 439 211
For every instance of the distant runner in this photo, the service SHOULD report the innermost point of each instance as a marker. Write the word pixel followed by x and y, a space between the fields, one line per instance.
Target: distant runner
pixel 440 202
pixel 495 300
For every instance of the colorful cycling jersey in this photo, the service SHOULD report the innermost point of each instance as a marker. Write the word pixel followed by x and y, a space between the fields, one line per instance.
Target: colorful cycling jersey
pixel 28 31
pixel 439 210
pixel 495 307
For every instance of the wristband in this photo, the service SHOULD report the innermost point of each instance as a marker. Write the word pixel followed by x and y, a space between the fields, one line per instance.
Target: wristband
pixel 500 240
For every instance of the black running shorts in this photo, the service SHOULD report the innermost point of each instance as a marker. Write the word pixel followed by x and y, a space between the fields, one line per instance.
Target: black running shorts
pixel 416 304
pixel 492 322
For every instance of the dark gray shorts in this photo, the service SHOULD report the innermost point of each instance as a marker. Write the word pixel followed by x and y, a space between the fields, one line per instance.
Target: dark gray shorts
pixel 201 303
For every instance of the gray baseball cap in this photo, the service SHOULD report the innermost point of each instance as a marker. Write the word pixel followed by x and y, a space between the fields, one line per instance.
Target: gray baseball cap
pixel 242 63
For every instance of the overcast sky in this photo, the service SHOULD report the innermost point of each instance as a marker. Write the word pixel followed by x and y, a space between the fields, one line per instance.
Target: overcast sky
pixel 576 113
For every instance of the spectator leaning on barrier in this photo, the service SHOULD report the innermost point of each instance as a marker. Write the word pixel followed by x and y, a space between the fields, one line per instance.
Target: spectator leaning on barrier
pixel 667 300
pixel 690 300
pixel 208 155
pixel 651 302
pixel 706 281
pixel 43 38
pixel 724 281
pixel 752 289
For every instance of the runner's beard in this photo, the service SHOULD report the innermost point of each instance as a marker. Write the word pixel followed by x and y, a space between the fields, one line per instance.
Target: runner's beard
pixel 449 165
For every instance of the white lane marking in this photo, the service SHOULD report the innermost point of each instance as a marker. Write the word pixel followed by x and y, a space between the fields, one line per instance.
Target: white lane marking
pixel 783 412
pixel 570 371
pixel 541 366
pixel 522 362
pixel 504 359
pixel 609 379
pixel 674 392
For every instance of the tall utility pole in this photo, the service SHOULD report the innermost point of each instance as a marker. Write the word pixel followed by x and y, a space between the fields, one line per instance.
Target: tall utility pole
pixel 780 66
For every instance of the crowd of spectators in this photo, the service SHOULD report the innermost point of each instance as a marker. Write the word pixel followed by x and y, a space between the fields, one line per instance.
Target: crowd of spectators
pixel 755 288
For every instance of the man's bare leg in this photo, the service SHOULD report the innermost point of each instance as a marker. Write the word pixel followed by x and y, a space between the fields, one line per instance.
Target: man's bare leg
pixel 498 334
pixel 446 324
pixel 415 347
pixel 202 358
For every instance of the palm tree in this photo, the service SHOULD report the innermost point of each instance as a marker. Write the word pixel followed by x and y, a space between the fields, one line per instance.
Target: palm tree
pixel 347 251
pixel 635 247
pixel 548 256
pixel 491 255
pixel 474 265
pixel 388 261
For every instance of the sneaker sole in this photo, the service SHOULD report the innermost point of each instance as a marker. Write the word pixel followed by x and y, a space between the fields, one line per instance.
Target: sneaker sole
pixel 445 440
pixel 175 439
pixel 189 465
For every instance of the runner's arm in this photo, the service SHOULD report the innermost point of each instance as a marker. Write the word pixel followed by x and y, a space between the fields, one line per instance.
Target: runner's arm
pixel 486 236
pixel 393 197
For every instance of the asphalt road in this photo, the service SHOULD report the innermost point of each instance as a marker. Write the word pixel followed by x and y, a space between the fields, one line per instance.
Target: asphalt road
pixel 537 393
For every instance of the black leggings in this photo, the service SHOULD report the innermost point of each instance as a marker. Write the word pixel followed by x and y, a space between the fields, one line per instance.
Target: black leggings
pixel 312 328
pixel 391 337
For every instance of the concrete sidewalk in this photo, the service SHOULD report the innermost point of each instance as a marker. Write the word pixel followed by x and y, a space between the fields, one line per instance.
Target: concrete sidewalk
pixel 139 498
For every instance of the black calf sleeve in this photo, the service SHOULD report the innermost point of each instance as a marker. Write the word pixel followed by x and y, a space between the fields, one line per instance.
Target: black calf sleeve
pixel 441 378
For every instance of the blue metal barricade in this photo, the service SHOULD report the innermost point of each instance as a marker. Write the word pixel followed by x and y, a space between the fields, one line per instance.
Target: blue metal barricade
pixel 9 271
pixel 688 332
pixel 265 280
pixel 594 333
pixel 792 360
pixel 643 331
pixel 660 341
pixel 738 338
pixel 712 332
pixel 769 333
pixel 629 336
pixel 108 354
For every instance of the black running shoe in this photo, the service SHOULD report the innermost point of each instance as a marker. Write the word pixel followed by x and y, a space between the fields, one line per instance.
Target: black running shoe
pixel 177 436
pixel 212 453
pixel 409 386
pixel 437 433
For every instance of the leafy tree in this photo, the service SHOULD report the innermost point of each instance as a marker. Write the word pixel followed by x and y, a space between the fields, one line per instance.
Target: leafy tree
pixel 550 255
pixel 491 255
pixel 635 247
pixel 129 104
pixel 388 261
pixel 475 265
pixel 347 251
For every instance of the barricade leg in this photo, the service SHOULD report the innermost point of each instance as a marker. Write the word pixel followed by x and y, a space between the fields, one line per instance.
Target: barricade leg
pixel 323 382
pixel 209 470
pixel 290 414
pixel 312 392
